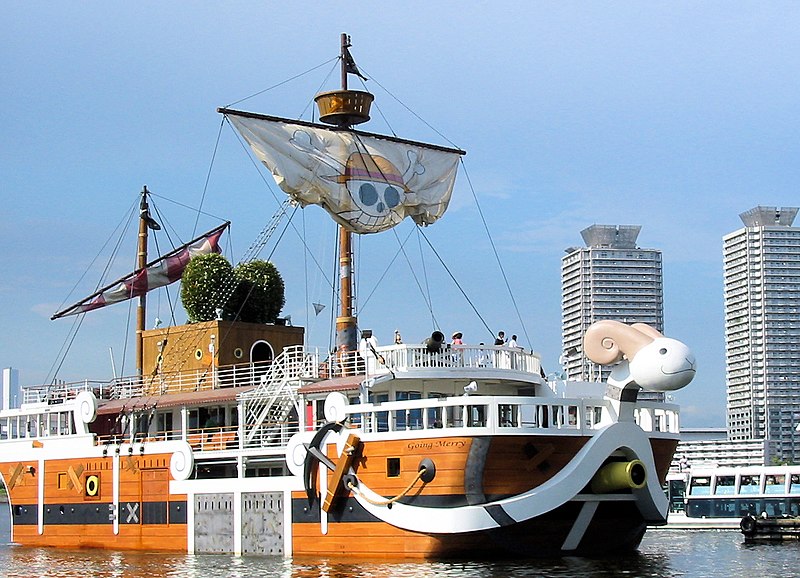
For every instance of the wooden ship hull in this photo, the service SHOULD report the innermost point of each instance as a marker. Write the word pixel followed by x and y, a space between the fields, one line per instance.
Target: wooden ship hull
pixel 511 470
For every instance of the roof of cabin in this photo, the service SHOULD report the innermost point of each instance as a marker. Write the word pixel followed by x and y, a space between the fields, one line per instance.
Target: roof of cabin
pixel 190 398
pixel 348 383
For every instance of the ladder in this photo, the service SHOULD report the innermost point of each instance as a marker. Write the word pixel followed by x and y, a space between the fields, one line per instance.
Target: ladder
pixel 268 405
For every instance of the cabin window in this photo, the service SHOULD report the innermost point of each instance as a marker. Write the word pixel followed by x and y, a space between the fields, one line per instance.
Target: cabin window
pixel 724 509
pixel 435 413
pixel 698 508
pixel 748 507
pixel 750 485
pixel 700 486
pixel 509 415
pixel 392 467
pixel 381 417
pixel 164 424
pixel 775 508
pixel 794 488
pixel 725 485
pixel 476 416
pixel 775 484
pixel 408 419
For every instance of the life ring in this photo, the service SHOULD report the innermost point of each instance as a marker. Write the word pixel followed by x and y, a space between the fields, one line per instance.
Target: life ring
pixel 92 485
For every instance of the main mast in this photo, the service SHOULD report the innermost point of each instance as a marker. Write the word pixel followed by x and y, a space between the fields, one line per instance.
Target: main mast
pixel 345 108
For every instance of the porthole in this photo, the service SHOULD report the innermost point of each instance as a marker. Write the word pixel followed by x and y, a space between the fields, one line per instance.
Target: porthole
pixel 198 354
pixel 238 353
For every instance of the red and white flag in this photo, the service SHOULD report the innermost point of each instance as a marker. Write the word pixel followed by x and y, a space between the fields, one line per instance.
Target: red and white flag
pixel 163 271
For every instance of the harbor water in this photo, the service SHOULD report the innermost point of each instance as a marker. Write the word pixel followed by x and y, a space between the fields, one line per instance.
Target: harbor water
pixel 663 553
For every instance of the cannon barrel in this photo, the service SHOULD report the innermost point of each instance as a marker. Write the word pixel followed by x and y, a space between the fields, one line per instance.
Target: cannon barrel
pixel 616 476
pixel 434 342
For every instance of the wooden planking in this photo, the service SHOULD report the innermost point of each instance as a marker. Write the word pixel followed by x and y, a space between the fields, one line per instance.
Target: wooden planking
pixel 369 540
pixel 450 461
pixel 155 537
pixel 663 450
pixel 515 465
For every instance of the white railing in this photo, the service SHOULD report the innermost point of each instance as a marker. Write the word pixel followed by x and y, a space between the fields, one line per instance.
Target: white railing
pixel 503 415
pixel 407 357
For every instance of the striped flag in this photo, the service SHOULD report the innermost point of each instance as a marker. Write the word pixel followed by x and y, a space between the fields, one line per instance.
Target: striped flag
pixel 163 271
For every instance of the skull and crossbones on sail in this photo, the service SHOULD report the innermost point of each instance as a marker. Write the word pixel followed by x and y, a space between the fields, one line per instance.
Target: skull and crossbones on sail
pixel 367 183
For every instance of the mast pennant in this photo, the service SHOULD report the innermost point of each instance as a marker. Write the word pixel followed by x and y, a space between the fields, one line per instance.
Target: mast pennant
pixel 159 273
pixel 367 182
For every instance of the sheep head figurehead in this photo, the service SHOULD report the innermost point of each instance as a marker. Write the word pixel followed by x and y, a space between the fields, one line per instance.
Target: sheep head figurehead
pixel 655 362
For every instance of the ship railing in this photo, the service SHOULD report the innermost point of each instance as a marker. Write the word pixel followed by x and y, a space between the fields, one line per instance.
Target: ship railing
pixel 410 357
pixel 502 415
pixel 658 417
pixel 63 391
pixel 208 439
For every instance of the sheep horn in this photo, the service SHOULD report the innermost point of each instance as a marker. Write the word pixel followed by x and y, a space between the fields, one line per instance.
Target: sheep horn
pixel 647 330
pixel 607 341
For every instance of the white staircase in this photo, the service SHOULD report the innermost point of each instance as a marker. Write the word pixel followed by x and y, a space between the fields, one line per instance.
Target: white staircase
pixel 267 407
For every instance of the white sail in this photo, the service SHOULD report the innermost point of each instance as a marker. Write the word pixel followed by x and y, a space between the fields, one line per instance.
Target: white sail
pixel 367 183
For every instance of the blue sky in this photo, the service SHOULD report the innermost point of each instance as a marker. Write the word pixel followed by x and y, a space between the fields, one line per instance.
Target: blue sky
pixel 676 116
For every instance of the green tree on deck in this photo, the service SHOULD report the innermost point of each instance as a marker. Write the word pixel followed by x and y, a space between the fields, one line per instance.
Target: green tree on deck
pixel 258 290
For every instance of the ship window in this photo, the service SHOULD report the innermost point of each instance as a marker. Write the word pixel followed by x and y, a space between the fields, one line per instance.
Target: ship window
pixel 775 484
pixel 748 507
pixel 700 486
pixel 724 509
pixel 750 485
pixel 725 485
pixel 794 488
pixel 392 467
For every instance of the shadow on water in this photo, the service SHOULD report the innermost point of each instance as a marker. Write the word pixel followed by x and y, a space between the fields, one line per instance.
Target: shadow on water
pixel 663 554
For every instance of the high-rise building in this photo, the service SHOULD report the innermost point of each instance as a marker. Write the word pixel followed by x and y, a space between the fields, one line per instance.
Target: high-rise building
pixel 762 330
pixel 609 278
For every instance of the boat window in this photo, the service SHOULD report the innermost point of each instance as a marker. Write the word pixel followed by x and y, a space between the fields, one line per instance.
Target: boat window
pixel 509 415
pixel 476 416
pixel 725 485
pixel 381 417
pixel 435 413
pixel 164 424
pixel 775 484
pixel 700 486
pixel 750 485
pixel 724 509
pixel 408 419
pixel 749 507
pixel 698 508
pixel 775 508
pixel 392 467
pixel 794 507
pixel 794 488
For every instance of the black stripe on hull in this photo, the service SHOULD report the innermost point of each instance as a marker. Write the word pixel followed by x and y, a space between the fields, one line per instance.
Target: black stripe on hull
pixel 616 527
pixel 99 513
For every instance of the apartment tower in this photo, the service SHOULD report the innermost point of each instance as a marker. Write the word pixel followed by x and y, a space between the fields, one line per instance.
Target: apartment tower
pixel 609 278
pixel 762 330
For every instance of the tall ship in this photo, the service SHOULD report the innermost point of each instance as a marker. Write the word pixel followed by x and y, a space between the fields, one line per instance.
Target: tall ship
pixel 237 437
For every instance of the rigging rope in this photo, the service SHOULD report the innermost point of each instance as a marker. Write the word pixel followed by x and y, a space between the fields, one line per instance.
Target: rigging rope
pixel 458 285
pixel 497 256
pixel 335 58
